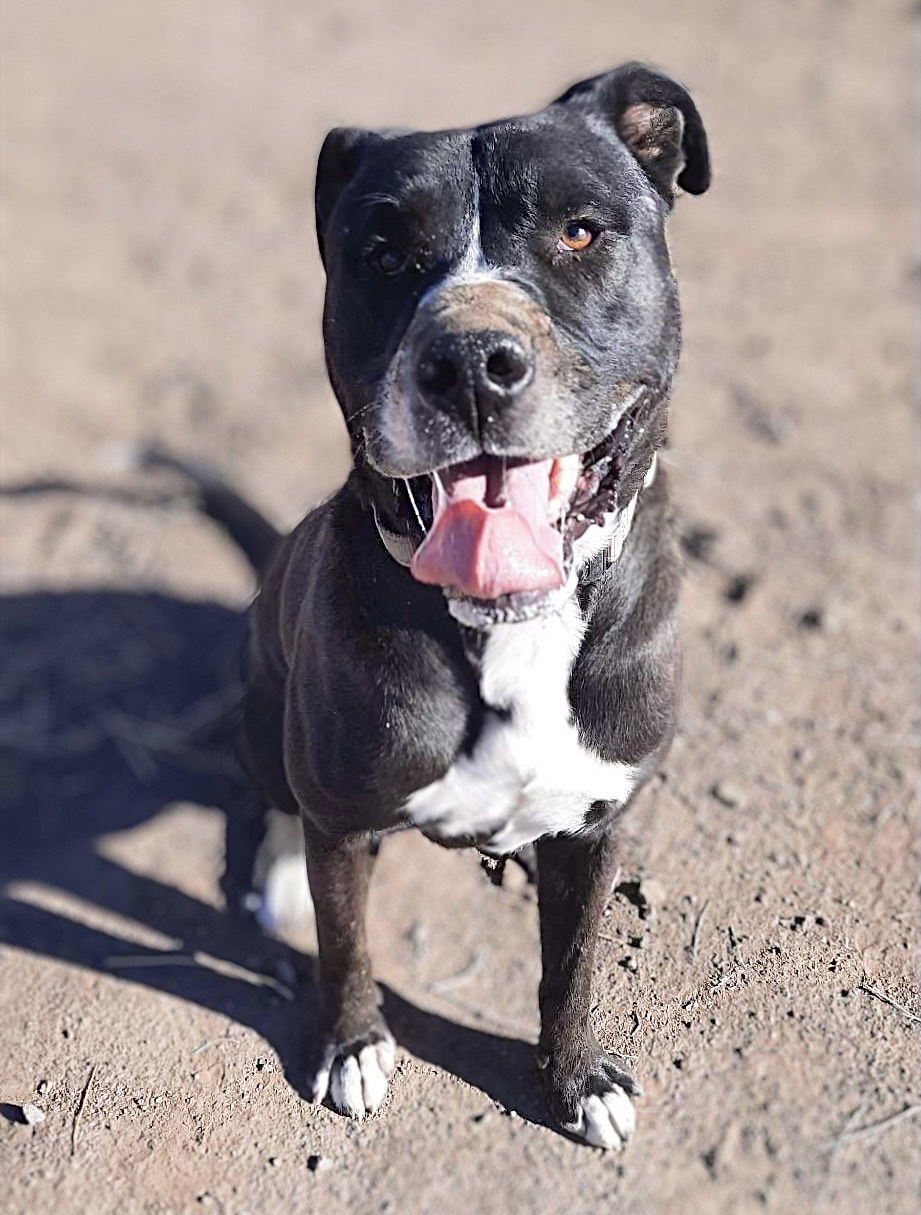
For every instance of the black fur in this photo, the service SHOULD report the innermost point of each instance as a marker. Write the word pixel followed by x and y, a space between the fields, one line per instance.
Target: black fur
pixel 362 687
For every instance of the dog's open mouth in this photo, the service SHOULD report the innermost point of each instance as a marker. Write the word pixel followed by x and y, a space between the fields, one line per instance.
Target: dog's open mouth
pixel 502 531
pixel 496 526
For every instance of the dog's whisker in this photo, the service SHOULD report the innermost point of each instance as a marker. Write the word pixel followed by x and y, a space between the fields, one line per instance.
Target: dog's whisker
pixel 412 500
pixel 364 409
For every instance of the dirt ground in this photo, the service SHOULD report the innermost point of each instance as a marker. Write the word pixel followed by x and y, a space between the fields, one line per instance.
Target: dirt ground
pixel 159 278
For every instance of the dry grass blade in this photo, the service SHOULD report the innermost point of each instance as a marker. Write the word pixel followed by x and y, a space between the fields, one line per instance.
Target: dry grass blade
pixel 79 1110
pixel 201 960
pixel 695 935
pixel 440 986
pixel 874 1128
pixel 881 995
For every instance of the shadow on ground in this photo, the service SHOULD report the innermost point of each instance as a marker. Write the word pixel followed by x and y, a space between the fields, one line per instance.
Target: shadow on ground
pixel 114 704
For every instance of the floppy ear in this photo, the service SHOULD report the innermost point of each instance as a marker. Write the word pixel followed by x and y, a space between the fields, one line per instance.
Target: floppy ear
pixel 339 158
pixel 656 119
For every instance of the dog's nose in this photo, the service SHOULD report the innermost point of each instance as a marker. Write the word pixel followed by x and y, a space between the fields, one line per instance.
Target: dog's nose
pixel 475 370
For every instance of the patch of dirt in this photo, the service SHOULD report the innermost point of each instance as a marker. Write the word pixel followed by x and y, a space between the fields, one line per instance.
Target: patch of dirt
pixel 159 278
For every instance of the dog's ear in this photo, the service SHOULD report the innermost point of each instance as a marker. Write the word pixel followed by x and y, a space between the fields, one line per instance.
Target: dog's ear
pixel 340 156
pixel 656 119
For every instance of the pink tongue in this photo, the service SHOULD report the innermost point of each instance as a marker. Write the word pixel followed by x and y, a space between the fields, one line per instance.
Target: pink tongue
pixel 486 551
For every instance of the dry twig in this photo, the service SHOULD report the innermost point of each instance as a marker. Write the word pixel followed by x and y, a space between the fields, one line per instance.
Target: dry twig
pixel 206 961
pixel 79 1110
pixel 881 995
pixel 874 1128
pixel 695 935
pixel 440 986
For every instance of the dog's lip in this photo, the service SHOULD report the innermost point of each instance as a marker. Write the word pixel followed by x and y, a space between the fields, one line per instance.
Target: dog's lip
pixel 577 478
pixel 626 400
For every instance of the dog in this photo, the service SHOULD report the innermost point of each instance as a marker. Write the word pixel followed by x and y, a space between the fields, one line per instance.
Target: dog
pixel 476 636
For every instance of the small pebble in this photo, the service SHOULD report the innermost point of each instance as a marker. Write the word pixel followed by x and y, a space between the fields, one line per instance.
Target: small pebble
pixel 738 587
pixel 418 938
pixel 811 618
pixel 32 1115
pixel 726 793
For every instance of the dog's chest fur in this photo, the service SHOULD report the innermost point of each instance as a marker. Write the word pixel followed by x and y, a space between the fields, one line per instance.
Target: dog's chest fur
pixel 528 774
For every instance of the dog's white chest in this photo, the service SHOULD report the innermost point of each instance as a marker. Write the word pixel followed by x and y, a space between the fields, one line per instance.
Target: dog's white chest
pixel 528 774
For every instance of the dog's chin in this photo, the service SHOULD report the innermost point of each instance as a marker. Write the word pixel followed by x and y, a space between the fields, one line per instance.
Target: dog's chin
pixel 513 608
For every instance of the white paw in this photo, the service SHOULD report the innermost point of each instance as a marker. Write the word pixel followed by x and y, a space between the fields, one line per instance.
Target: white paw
pixel 285 903
pixel 605 1121
pixel 356 1079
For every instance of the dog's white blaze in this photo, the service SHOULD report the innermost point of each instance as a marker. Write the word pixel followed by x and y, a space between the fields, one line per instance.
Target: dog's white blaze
pixel 473 260
pixel 528 774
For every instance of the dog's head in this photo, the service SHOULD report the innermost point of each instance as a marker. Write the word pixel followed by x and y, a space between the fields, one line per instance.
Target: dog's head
pixel 502 321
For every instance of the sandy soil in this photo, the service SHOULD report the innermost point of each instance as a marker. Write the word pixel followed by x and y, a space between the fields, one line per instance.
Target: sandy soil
pixel 159 278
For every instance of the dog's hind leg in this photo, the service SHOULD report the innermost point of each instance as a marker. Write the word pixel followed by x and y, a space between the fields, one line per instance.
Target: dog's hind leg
pixel 355 1054
pixel 244 833
pixel 280 893
pixel 588 1091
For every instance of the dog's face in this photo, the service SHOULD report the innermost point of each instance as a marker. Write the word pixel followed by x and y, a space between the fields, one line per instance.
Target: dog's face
pixel 501 309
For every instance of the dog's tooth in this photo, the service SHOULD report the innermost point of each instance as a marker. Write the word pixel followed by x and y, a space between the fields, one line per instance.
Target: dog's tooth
pixel 439 493
pixel 564 474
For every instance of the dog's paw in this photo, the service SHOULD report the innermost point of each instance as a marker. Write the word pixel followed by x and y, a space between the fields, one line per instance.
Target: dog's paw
pixel 285 903
pixel 355 1076
pixel 605 1120
pixel 595 1104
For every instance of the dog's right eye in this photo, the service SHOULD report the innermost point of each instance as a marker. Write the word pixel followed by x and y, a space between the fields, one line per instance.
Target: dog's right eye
pixel 386 259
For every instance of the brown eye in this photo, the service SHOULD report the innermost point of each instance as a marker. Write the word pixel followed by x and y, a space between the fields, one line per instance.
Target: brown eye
pixel 387 259
pixel 575 237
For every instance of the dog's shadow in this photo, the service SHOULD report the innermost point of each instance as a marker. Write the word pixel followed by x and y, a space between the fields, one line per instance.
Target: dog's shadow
pixel 114 704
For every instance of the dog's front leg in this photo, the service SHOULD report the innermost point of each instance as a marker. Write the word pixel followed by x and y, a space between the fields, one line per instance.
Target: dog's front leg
pixel 588 1091
pixel 355 1054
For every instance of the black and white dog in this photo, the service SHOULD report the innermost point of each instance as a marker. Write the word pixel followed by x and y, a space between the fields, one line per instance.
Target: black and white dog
pixel 476 636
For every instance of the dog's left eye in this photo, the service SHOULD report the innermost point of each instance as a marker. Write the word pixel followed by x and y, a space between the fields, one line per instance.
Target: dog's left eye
pixel 386 259
pixel 575 237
